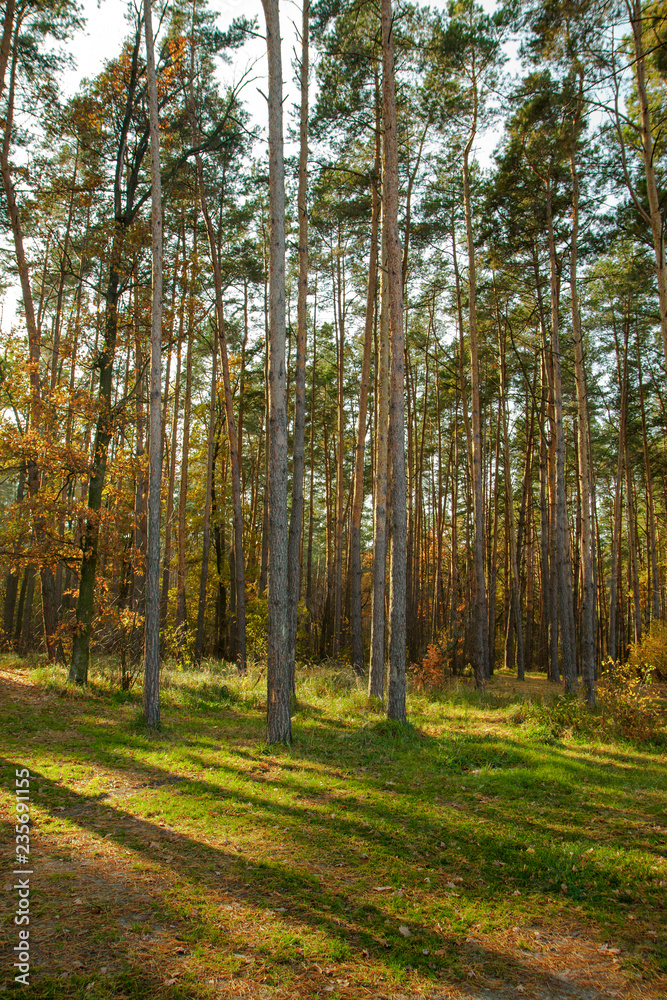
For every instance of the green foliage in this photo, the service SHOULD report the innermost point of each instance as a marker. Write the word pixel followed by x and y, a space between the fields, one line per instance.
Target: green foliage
pixel 256 626
pixel 649 655
pixel 628 705
pixel 553 720
pixel 626 708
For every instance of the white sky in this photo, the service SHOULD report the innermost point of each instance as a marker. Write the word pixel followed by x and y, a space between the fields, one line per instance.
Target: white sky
pixel 107 26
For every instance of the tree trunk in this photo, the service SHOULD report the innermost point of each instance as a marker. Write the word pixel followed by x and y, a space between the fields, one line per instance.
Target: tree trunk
pixel 355 528
pixel 169 525
pixel 612 640
pixel 509 513
pixel 152 626
pixel 398 540
pixel 181 607
pixel 278 671
pixel 565 609
pixel 376 674
pixel 650 507
pixel 309 557
pixel 296 514
pixel 206 527
pixel 339 328
pixel 587 619
pixel 481 641
pixel 104 362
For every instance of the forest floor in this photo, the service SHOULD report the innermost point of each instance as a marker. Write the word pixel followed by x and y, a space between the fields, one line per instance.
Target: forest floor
pixel 488 849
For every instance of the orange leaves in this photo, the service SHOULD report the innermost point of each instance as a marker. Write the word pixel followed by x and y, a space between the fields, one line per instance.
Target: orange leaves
pixel 432 672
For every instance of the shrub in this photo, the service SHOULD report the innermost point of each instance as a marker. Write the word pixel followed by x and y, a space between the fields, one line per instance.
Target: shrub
pixel 649 655
pixel 256 628
pixel 432 672
pixel 556 718
pixel 626 702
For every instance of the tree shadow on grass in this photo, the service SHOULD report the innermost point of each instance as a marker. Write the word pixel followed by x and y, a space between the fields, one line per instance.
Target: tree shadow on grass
pixel 395 817
pixel 209 877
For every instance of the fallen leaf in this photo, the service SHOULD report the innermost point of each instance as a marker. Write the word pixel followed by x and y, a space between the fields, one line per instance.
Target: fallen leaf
pixel 382 888
pixel 405 931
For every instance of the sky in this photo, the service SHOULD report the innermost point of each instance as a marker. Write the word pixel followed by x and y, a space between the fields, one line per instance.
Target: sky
pixel 107 26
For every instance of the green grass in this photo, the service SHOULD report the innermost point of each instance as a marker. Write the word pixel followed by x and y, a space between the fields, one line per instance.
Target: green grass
pixel 485 819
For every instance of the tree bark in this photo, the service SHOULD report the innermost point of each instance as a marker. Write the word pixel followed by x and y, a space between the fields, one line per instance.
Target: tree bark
pixel 278 672
pixel 206 527
pixel 376 674
pixel 296 513
pixel 355 528
pixel 481 651
pixel 509 513
pixel 181 606
pixel 152 626
pixel 650 507
pixel 565 609
pixel 397 589
pixel 169 525
pixel 587 615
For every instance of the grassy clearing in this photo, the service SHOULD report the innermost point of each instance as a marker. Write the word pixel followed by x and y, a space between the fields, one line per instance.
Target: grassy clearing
pixel 495 846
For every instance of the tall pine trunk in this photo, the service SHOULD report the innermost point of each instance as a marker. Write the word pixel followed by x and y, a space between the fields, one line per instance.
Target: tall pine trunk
pixel 481 646
pixel 355 527
pixel 152 626
pixel 587 615
pixel 296 513
pixel 397 592
pixel 278 670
